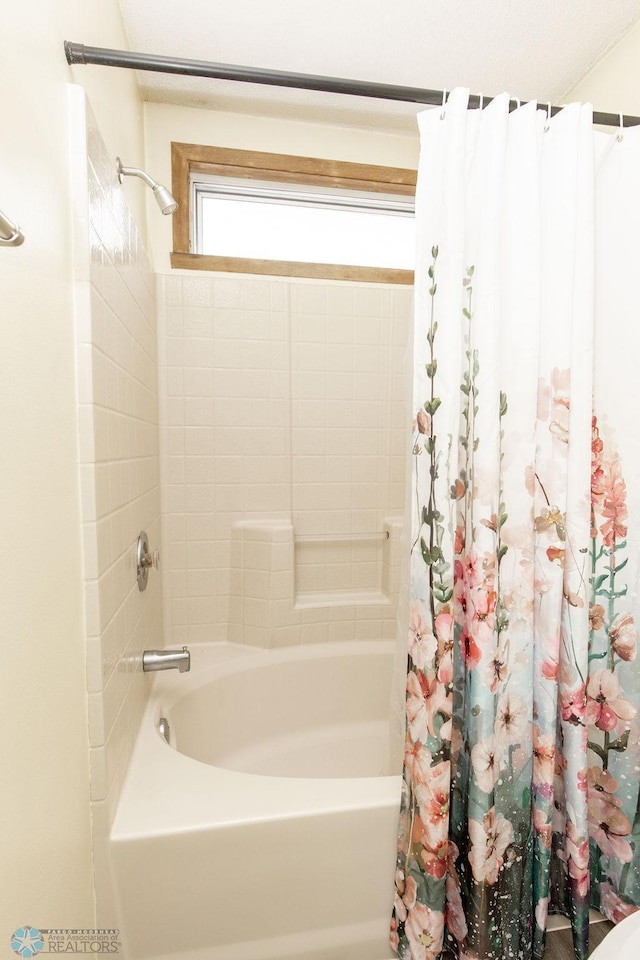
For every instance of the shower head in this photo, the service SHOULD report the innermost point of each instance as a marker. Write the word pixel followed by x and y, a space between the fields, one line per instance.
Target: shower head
pixel 164 199
pixel 162 196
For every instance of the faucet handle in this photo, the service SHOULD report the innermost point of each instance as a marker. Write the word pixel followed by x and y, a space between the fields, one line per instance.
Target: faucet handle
pixel 145 559
pixel 151 560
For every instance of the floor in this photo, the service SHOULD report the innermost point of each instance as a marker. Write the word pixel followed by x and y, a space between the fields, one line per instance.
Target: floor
pixel 560 945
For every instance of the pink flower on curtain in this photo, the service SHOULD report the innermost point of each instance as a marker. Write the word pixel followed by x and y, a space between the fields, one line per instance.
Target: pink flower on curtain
pixel 542 826
pixel 489 841
pixel 577 854
pixel 483 605
pixel 433 795
pixel 614 506
pixel 496 672
pixel 615 908
pixel 471 652
pixel 426 698
pixel 596 616
pixel 444 634
pixel 423 927
pixel 417 760
pixel 512 719
pixel 608 825
pixel 425 932
pixel 423 422
pixel 624 637
pixel 605 707
pixel 422 643
pixel 542 912
pixel 573 704
pixel 459 541
pixel 486 759
pixel 544 760
pixel 434 844
pixel 431 827
pixel 454 910
pixel 597 473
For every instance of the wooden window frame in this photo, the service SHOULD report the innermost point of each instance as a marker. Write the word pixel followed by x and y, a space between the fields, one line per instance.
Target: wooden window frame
pixel 188 158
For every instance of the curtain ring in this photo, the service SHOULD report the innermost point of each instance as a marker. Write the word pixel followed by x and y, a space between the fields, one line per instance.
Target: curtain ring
pixel 620 133
pixel 444 103
pixel 546 126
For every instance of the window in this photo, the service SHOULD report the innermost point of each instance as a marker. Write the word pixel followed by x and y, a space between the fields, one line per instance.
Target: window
pixel 248 212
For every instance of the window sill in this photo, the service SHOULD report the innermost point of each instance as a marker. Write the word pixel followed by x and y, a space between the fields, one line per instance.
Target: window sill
pixel 284 268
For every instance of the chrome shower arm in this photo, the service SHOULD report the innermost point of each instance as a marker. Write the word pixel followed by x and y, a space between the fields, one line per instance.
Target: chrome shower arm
pixel 134 172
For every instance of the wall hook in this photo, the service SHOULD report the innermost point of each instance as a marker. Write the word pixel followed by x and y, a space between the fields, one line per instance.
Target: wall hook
pixel 13 235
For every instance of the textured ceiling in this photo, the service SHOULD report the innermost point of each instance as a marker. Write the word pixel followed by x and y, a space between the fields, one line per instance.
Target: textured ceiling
pixel 533 48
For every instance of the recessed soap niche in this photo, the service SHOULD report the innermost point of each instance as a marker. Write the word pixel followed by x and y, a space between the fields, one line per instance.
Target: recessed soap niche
pixel 280 595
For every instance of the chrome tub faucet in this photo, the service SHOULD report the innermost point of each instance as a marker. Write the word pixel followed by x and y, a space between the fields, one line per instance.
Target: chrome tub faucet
pixel 166 660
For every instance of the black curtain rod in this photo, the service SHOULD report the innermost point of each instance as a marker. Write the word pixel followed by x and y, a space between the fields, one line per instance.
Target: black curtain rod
pixel 79 53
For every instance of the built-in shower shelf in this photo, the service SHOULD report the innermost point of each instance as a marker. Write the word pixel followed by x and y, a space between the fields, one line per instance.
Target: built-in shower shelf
pixel 343 598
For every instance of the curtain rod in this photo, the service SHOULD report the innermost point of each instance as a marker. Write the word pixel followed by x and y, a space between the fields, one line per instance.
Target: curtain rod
pixel 78 53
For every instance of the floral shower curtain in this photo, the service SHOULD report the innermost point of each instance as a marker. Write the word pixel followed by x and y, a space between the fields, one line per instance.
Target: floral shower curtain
pixel 522 755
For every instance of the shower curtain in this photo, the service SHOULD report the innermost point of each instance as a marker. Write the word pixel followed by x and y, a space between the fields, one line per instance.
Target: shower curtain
pixel 522 754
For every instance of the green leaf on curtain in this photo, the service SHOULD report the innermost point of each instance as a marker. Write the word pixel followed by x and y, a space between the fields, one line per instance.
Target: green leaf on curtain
pixel 426 556
pixel 432 290
pixel 620 745
pixel 431 369
pixel 443 596
pixel 597 583
pixel 434 252
pixel 466 313
pixel 598 750
pixel 503 403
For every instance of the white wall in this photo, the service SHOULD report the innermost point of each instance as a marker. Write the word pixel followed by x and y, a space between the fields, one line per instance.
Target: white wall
pixel 46 877
pixel 613 84
pixel 165 122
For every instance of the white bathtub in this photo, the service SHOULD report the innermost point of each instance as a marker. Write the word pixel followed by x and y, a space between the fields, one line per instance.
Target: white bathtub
pixel 267 829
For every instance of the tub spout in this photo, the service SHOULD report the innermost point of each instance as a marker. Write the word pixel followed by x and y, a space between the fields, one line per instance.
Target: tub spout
pixel 166 660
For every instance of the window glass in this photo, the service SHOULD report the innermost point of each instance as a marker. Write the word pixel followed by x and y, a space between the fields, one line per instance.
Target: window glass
pixel 291 222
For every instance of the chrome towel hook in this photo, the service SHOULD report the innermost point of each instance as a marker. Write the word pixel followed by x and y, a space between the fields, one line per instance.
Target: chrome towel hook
pixel 10 234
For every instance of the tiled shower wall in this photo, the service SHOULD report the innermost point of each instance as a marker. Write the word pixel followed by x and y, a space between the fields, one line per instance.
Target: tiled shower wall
pixel 283 413
pixel 118 452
